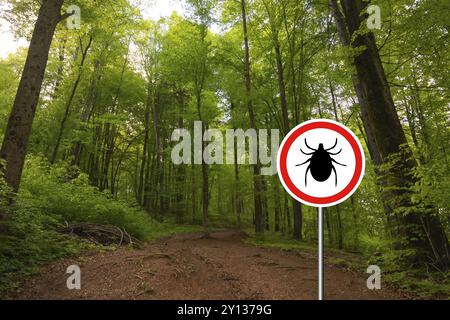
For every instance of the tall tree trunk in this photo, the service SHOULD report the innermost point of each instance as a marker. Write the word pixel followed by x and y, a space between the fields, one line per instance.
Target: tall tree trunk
pixel 88 108
pixel 194 193
pixel 278 210
pixel 205 187
pixel 281 85
pixel 340 233
pixel 419 228
pixel 180 175
pixel 297 207
pixel 259 219
pixel 345 39
pixel 20 121
pixel 159 162
pixel 205 176
pixel 146 143
pixel 237 193
pixel 71 97
pixel 60 70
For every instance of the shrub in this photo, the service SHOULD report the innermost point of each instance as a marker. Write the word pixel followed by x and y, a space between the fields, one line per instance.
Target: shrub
pixel 64 193
pixel 50 197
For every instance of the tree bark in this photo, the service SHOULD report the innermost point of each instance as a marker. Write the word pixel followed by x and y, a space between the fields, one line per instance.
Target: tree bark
pixel 419 228
pixel 259 219
pixel 71 97
pixel 345 39
pixel 20 121
pixel 146 143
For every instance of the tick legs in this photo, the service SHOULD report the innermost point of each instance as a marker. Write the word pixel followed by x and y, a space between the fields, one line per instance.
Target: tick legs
pixel 306 176
pixel 344 165
pixel 303 162
pixel 335 175
pixel 333 154
pixel 308 154
pixel 335 144
pixel 309 146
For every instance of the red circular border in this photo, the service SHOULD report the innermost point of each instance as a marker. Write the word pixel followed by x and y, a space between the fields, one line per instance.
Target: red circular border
pixel 356 150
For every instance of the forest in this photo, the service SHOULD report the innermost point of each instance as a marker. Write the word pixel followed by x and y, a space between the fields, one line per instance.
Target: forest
pixel 88 110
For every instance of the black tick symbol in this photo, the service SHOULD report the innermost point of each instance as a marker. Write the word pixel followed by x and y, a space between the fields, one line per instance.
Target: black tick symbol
pixel 321 163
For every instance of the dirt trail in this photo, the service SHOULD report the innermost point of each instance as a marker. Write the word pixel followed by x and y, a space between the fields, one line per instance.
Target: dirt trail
pixel 190 266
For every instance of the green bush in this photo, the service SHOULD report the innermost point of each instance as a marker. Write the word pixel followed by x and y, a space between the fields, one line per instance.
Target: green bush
pixel 50 197
pixel 64 193
pixel 31 241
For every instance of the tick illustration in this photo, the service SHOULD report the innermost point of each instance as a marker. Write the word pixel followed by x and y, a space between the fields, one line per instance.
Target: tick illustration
pixel 321 162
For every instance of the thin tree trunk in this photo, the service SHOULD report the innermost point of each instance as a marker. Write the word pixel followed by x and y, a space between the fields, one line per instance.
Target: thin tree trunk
pixel 259 219
pixel 71 97
pixel 237 194
pixel 146 144
pixel 278 210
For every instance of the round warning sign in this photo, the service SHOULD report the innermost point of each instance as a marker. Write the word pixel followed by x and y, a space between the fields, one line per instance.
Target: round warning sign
pixel 321 163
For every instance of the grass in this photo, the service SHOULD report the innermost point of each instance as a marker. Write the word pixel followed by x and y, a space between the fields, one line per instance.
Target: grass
pixel 51 197
pixel 21 257
pixel 420 283
pixel 168 228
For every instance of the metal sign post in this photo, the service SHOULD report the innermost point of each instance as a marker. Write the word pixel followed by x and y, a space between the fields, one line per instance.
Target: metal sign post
pixel 320 260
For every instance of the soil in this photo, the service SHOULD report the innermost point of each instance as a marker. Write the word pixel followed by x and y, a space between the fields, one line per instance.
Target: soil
pixel 192 266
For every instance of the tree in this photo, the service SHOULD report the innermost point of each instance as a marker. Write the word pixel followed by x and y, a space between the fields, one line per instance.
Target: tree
pixel 419 227
pixel 15 141
pixel 257 183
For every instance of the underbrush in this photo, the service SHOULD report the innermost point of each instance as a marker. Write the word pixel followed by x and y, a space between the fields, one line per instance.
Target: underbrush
pixel 421 281
pixel 63 192
pixel 50 198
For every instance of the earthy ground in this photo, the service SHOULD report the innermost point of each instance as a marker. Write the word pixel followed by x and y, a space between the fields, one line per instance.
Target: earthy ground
pixel 191 266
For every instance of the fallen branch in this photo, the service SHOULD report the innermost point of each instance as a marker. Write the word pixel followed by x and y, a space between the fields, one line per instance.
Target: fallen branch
pixel 102 234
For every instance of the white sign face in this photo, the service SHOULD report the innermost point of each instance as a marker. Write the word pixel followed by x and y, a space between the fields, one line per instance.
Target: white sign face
pixel 321 163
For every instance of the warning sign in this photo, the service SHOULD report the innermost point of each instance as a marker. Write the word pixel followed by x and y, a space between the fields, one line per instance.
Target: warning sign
pixel 321 163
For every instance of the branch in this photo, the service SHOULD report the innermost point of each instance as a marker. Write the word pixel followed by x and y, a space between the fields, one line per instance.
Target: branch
pixel 66 15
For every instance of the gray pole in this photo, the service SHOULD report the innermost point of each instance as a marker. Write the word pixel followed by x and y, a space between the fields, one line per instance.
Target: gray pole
pixel 320 233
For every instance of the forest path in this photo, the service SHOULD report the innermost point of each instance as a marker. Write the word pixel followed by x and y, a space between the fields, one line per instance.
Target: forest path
pixel 190 266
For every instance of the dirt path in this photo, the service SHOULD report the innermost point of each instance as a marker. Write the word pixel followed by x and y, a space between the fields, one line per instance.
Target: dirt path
pixel 192 267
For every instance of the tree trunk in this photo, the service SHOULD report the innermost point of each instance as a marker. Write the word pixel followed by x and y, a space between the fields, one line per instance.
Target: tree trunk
pixel 146 144
pixel 158 151
pixel 298 219
pixel 71 97
pixel 259 219
pixel 194 193
pixel 420 229
pixel 237 193
pixel 345 39
pixel 297 209
pixel 20 121
pixel 180 175
pixel 278 210
pixel 281 86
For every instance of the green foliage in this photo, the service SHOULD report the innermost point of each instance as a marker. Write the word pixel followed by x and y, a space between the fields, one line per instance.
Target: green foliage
pixel 50 197
pixel 422 280
pixel 142 79
pixel 32 241
pixel 63 192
